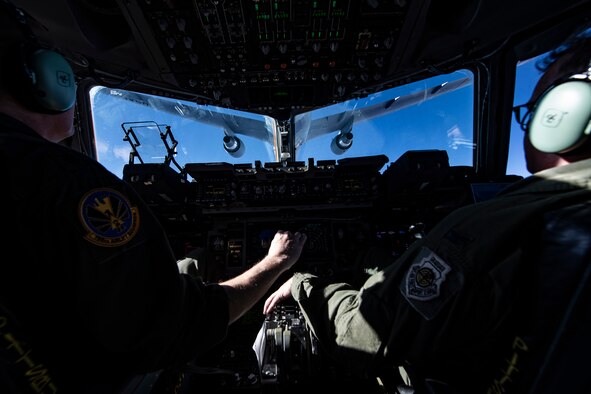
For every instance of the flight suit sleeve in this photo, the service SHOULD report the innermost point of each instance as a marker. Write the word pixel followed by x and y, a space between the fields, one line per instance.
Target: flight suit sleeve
pixel 132 296
pixel 337 314
pixel 361 327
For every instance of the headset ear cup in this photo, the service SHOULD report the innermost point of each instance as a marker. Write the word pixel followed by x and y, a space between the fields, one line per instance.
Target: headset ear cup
pixel 561 119
pixel 50 79
pixel 40 79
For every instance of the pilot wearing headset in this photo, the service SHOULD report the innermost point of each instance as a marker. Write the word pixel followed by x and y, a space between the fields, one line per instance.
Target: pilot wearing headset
pixel 495 299
pixel 91 298
pixel 557 118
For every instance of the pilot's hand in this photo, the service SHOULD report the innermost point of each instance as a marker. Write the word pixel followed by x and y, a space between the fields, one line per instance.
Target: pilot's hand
pixel 280 295
pixel 286 247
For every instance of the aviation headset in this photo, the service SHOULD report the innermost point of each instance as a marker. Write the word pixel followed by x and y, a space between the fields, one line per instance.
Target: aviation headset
pixel 561 117
pixel 40 78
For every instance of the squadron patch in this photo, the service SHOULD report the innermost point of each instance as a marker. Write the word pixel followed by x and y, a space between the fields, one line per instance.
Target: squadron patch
pixel 425 277
pixel 108 217
pixel 423 285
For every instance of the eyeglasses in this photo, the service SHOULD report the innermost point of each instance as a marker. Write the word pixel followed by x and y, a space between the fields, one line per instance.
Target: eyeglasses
pixel 523 114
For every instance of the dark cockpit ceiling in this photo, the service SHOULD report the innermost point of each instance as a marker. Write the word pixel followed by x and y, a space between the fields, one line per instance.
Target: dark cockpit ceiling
pixel 280 57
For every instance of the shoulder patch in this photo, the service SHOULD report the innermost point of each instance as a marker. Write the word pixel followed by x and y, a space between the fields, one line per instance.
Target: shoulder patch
pixel 429 283
pixel 108 217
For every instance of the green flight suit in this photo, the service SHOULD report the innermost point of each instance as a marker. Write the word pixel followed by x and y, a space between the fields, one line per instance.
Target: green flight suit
pixel 445 306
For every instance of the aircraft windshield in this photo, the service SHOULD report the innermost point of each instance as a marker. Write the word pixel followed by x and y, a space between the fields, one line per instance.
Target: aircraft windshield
pixel 435 113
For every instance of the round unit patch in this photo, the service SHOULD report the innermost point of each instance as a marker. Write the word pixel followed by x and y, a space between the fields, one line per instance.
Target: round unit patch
pixel 108 217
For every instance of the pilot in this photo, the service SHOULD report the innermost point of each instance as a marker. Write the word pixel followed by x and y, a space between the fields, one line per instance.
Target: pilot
pixel 91 297
pixel 492 300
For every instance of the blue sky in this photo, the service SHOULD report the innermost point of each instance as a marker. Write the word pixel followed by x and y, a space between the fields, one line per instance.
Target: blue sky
pixel 443 122
pixel 526 78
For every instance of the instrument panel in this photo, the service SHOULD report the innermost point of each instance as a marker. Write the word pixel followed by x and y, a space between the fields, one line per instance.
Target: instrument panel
pixel 225 216
pixel 230 212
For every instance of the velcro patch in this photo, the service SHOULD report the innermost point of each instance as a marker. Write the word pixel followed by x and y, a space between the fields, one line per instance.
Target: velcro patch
pixel 108 217
pixel 429 283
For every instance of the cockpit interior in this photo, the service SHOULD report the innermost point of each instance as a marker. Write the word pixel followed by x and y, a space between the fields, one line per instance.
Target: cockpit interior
pixel 359 122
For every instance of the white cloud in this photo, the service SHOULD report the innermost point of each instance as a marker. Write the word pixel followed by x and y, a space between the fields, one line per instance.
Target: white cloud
pixel 101 147
pixel 121 152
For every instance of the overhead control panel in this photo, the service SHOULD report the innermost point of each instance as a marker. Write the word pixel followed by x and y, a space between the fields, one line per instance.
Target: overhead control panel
pixel 274 57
